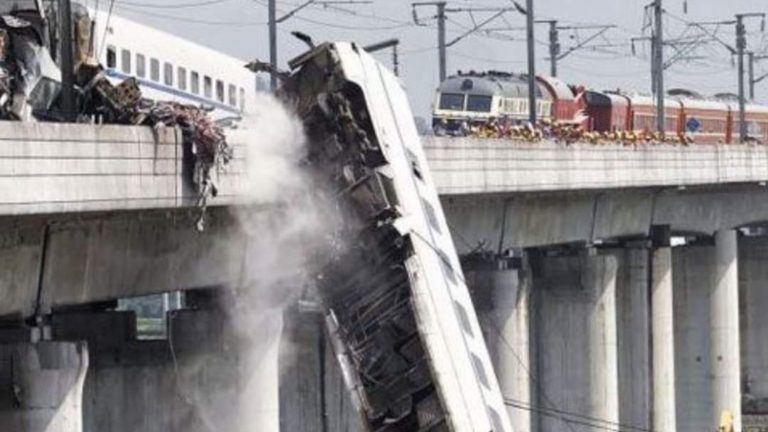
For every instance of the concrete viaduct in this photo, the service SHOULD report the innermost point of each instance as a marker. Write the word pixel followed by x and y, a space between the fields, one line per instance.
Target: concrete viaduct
pixel 620 286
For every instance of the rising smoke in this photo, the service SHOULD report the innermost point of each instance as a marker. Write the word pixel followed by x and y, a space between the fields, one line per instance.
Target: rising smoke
pixel 285 223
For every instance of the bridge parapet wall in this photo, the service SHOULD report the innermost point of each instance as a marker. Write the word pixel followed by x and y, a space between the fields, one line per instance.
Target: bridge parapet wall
pixel 65 168
pixel 478 166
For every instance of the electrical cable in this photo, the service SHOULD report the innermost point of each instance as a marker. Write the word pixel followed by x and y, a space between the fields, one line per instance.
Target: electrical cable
pixel 577 419
pixel 173 5
pixel 192 20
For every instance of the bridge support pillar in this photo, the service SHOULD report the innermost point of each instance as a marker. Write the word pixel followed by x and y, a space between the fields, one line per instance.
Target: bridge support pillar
pixel 41 386
pixel 510 335
pixel 725 355
pixel 663 413
pixel 633 318
pixel 576 322
pixel 753 286
pixel 502 296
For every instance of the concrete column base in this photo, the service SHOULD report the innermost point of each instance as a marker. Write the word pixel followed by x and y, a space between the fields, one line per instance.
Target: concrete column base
pixel 41 386
pixel 663 341
pixel 725 353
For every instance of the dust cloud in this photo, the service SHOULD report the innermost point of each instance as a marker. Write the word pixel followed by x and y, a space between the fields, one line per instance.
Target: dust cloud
pixel 285 223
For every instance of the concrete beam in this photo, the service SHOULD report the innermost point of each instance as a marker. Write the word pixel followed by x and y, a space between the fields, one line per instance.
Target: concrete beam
pixel 57 262
pixel 536 220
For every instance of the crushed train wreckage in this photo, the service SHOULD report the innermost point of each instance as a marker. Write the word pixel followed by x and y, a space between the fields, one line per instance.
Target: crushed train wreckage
pixel 397 308
pixel 32 89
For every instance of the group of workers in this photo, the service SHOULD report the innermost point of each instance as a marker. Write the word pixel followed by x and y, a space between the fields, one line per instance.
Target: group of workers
pixel 545 129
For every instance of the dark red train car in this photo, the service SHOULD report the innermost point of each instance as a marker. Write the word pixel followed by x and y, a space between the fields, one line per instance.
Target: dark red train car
pixel 706 121
pixel 564 104
pixel 605 112
pixel 643 115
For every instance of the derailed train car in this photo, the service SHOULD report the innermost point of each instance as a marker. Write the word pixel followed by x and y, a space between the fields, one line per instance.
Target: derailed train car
pixel 397 307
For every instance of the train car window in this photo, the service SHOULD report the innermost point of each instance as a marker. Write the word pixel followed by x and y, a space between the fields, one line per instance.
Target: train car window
pixel 220 90
pixel 194 82
pixel 232 95
pixel 479 103
pixel 207 87
pixel 452 102
pixel 242 99
pixel 125 60
pixel 168 74
pixel 111 56
pixel 182 77
pixel 154 69
pixel 141 66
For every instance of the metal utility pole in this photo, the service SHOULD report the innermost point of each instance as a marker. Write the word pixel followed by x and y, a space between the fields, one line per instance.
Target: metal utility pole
pixel 751 72
pixel 658 69
pixel 441 39
pixel 393 43
pixel 441 17
pixel 741 46
pixel 554 47
pixel 441 47
pixel 272 12
pixel 531 41
pixel 67 62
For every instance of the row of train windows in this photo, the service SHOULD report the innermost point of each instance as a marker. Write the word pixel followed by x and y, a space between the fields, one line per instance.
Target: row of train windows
pixel 520 106
pixel 460 102
pixel 234 97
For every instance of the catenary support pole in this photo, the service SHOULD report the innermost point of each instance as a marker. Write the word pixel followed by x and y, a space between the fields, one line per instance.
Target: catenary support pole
pixel 272 11
pixel 530 37
pixel 659 66
pixel 554 47
pixel 751 76
pixel 741 44
pixel 441 39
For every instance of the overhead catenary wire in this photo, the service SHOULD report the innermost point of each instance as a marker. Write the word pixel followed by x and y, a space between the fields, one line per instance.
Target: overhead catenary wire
pixel 202 3
pixel 189 20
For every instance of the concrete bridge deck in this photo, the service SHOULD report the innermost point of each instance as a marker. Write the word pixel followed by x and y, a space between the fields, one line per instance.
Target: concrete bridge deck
pixel 57 168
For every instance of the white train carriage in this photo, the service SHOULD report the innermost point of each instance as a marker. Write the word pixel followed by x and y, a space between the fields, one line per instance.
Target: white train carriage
pixel 399 312
pixel 475 98
pixel 171 68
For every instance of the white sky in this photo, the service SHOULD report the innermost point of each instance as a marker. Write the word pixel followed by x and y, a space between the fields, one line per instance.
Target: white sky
pixel 238 28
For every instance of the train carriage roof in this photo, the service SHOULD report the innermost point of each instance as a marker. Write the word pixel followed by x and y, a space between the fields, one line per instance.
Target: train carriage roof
pixel 491 84
pixel 604 99
pixel 644 100
pixel 559 88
